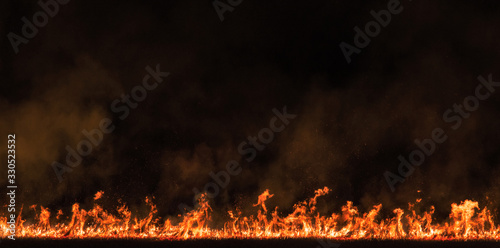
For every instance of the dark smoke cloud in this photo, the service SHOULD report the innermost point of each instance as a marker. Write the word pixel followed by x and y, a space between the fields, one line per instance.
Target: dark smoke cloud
pixel 353 120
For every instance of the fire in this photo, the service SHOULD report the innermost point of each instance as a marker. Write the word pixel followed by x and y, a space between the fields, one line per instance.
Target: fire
pixel 98 195
pixel 467 221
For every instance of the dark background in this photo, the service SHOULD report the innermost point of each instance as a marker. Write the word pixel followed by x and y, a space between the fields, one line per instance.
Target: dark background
pixel 353 120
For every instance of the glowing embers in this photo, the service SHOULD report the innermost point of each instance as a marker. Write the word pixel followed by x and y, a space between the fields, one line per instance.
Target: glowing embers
pixel 467 221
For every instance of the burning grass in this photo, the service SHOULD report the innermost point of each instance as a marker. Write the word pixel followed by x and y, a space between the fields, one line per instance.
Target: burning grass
pixel 467 221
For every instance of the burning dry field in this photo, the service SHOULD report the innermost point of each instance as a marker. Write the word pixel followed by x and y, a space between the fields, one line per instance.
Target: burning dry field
pixel 246 243
pixel 467 222
pixel 235 123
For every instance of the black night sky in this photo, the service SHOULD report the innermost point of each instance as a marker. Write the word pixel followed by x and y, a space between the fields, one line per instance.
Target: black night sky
pixel 416 74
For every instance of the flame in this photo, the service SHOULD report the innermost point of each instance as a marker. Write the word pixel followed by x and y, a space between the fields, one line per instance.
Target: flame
pixel 98 195
pixel 467 221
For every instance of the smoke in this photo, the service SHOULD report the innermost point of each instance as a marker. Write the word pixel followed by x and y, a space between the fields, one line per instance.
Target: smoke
pixel 353 121
pixel 52 118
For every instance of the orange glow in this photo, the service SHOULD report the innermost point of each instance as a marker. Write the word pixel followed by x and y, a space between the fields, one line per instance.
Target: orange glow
pixel 467 221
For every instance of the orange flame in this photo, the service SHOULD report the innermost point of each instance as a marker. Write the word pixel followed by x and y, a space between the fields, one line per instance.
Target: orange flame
pixel 467 221
pixel 98 195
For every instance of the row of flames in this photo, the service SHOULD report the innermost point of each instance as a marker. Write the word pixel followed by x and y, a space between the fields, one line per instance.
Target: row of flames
pixel 466 222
